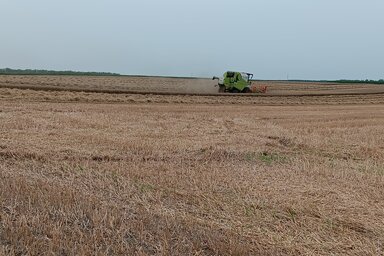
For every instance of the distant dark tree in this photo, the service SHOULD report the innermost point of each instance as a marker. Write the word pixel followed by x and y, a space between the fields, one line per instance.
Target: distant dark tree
pixel 8 71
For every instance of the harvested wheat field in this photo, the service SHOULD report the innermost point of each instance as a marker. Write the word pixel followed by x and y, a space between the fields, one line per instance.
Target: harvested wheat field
pixel 85 173
pixel 165 85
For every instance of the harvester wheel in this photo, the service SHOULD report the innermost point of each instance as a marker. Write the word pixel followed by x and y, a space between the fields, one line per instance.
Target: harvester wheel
pixel 235 91
pixel 247 90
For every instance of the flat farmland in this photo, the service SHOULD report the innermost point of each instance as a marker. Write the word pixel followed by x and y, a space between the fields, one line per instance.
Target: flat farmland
pixel 124 174
pixel 175 85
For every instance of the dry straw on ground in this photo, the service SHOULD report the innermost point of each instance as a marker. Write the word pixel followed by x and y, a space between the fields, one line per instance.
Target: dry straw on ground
pixel 189 179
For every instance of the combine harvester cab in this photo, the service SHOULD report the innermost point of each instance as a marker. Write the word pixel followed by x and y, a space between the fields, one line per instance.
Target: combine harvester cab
pixel 238 82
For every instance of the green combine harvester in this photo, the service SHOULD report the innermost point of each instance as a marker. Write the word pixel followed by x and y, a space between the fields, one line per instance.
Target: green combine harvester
pixel 237 82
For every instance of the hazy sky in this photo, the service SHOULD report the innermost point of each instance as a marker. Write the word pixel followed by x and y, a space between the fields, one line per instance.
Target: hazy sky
pixel 307 39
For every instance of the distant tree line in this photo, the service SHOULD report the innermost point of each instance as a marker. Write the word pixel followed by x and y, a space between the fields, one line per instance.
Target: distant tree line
pixel 342 81
pixel 9 71
pixel 367 81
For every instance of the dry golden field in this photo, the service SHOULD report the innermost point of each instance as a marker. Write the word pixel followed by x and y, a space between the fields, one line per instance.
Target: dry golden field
pixel 86 173
pixel 174 85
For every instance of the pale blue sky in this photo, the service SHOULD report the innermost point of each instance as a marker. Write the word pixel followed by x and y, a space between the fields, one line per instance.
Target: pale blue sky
pixel 307 39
